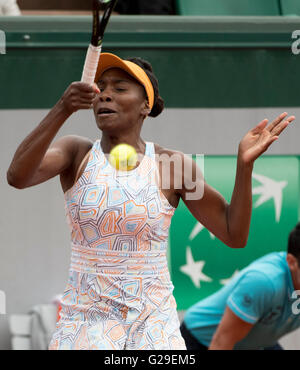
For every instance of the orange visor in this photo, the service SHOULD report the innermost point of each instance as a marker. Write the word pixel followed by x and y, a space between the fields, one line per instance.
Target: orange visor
pixel 108 61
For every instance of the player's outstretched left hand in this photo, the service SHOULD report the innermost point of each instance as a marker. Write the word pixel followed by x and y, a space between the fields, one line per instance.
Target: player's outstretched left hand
pixel 258 140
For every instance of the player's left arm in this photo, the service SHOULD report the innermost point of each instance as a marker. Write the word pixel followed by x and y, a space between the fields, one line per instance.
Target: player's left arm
pixel 230 222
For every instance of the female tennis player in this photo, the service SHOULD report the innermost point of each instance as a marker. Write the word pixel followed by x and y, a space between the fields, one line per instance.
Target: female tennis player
pixel 119 294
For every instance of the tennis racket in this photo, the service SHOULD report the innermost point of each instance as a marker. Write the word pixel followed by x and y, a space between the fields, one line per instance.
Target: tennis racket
pixel 99 26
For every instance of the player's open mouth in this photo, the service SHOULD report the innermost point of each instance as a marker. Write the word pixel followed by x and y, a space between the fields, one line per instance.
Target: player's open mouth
pixel 105 112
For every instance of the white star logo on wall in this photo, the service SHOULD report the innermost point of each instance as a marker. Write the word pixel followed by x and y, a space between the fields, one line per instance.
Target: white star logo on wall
pixel 197 229
pixel 226 281
pixel 194 269
pixel 269 189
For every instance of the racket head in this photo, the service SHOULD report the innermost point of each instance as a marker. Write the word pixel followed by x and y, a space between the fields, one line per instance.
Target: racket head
pixel 99 25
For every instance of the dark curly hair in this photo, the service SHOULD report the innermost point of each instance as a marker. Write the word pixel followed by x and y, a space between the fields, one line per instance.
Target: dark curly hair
pixel 159 104
pixel 294 243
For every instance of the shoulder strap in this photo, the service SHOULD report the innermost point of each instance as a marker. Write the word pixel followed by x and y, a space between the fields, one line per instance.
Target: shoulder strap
pixel 150 150
pixel 81 165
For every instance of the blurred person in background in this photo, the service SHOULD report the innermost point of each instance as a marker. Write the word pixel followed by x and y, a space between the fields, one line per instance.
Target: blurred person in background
pixel 146 7
pixel 9 7
pixel 254 310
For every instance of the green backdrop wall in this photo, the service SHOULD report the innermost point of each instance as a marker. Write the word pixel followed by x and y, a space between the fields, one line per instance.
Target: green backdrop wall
pixel 201 63
pixel 208 262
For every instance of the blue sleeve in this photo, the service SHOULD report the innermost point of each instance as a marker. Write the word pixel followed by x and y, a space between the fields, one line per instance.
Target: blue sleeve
pixel 251 296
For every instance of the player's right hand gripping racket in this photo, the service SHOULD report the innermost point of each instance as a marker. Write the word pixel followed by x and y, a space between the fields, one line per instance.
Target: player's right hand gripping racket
pixel 99 26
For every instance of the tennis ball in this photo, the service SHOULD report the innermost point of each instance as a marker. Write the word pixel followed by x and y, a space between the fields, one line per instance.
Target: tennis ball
pixel 123 157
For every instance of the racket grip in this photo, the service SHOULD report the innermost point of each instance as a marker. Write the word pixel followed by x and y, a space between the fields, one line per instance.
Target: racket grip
pixel 91 64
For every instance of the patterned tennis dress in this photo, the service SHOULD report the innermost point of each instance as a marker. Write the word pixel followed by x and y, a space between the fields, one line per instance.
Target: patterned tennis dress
pixel 119 292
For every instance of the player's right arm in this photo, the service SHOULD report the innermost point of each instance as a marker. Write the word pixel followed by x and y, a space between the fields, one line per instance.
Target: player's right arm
pixel 231 330
pixel 35 161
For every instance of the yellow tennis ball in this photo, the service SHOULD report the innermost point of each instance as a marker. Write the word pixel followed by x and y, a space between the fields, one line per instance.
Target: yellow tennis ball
pixel 123 157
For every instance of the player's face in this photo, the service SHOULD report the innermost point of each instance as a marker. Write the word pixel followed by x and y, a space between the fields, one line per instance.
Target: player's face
pixel 121 104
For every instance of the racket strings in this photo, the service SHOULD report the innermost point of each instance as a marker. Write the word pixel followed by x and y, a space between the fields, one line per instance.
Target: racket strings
pixel 100 22
pixel 108 9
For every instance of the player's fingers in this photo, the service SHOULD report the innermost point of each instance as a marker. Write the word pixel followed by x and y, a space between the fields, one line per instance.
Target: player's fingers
pixel 279 119
pixel 96 88
pixel 258 128
pixel 279 128
pixel 86 106
pixel 86 101
pixel 88 96
pixel 84 87
pixel 90 88
pixel 271 141
pixel 291 119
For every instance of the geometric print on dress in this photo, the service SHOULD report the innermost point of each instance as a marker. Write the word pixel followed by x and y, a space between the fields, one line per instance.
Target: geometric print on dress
pixel 119 294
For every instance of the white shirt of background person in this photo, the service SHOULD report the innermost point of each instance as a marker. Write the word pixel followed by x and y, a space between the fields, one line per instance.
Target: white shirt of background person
pixel 9 7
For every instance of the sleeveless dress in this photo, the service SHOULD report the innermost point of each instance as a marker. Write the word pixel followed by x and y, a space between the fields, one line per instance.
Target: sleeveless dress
pixel 119 294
